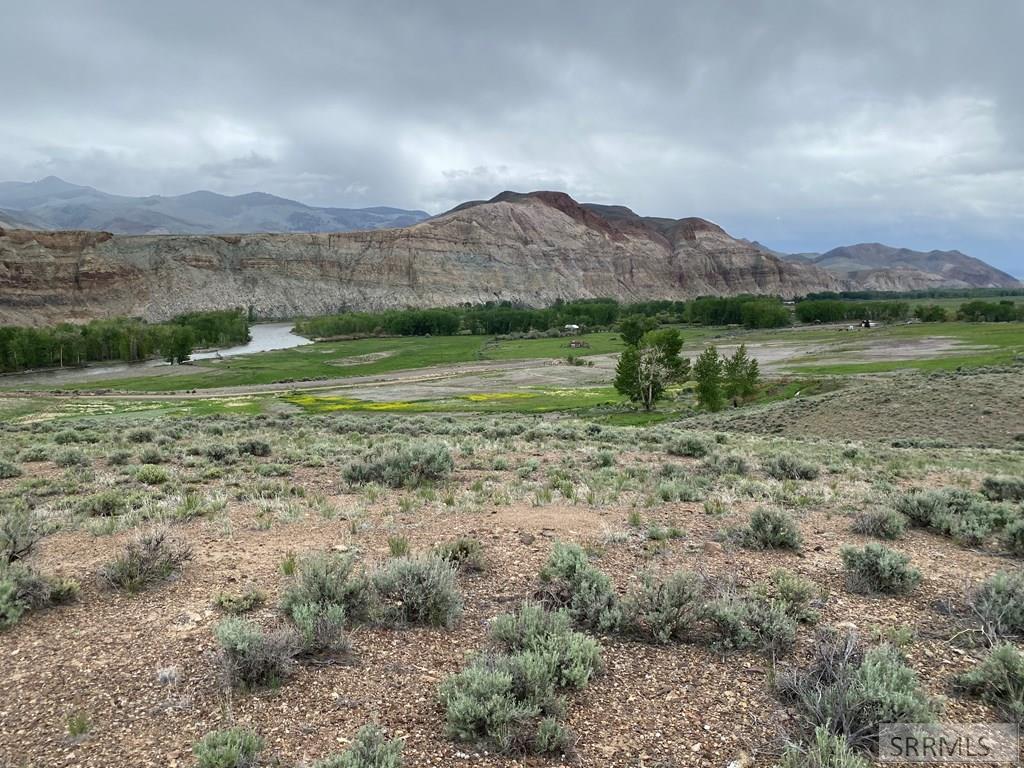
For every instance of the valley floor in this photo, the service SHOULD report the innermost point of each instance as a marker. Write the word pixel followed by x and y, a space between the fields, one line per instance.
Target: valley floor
pixel 651 499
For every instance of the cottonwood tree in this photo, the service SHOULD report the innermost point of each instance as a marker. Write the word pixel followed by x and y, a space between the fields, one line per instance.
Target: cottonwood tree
pixel 180 341
pixel 740 374
pixel 633 328
pixel 646 368
pixel 707 370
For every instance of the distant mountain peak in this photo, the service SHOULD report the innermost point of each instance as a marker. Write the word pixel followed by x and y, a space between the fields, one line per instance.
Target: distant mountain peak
pixel 53 203
pixel 876 266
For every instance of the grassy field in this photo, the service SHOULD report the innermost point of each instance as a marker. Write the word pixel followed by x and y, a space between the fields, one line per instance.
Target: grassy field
pixel 365 357
pixel 803 354
pixel 997 344
pixel 360 357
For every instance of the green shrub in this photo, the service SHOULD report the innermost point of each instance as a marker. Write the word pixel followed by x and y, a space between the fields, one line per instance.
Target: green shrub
pixel 219 452
pixel 193 505
pixel 140 435
pixel 70 457
pixel 771 529
pixel 151 455
pixel 328 579
pixel 289 564
pixel 966 516
pixel 1013 536
pixel 23 589
pixel 250 657
pixel 999 681
pixel 876 568
pixel 795 592
pixel 78 724
pixel 150 474
pixel 231 748
pixel 418 590
pixel 552 737
pixel 827 750
pixel 465 553
pixel 746 621
pixel 727 464
pixel 20 531
pixel 103 504
pixel 508 701
pixel 9 470
pixel 922 507
pixel 371 748
pixel 398 546
pixel 63 590
pixel 34 453
pixel 253 448
pixel 689 445
pixel 12 607
pixel 850 691
pixel 321 628
pixel 401 465
pixel 119 458
pixel 1003 488
pixel 569 581
pixel 679 490
pixel 148 557
pixel 882 523
pixel 999 603
pixel 236 604
pixel 665 609
pixel 787 467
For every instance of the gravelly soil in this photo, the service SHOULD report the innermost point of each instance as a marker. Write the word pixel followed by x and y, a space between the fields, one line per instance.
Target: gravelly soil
pixel 982 408
pixel 654 706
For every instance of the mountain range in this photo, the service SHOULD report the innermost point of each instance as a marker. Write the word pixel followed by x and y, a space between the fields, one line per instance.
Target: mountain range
pixel 531 249
pixel 877 267
pixel 53 203
pixel 525 248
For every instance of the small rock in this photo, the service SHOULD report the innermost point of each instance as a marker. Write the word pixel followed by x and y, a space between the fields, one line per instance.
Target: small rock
pixel 712 548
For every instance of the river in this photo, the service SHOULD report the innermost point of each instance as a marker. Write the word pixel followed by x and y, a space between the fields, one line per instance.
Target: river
pixel 264 338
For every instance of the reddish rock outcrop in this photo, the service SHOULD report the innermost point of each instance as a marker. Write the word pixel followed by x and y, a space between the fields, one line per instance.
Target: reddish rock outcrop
pixel 533 249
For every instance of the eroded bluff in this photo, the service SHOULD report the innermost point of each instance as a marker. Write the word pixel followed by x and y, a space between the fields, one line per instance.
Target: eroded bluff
pixel 531 249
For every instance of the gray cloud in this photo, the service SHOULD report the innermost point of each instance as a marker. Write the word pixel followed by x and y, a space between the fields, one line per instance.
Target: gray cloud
pixel 803 124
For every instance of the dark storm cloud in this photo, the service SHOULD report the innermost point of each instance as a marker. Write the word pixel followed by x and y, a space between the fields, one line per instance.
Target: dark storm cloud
pixel 804 124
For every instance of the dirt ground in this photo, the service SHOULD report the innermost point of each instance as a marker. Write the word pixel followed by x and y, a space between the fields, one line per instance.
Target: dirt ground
pixel 970 408
pixel 654 706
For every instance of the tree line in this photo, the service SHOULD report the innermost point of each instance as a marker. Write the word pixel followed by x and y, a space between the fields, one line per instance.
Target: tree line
pixel 926 293
pixel 119 340
pixel 991 311
pixel 835 310
pixel 505 317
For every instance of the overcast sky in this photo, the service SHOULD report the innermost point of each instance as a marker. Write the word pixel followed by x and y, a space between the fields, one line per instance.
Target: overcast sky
pixel 804 125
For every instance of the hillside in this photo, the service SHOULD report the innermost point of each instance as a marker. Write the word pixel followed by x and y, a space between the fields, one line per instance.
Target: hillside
pixel 53 203
pixel 532 249
pixel 873 266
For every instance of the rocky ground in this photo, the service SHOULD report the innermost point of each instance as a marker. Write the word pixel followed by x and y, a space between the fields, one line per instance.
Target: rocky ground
pixel 979 407
pixel 516 489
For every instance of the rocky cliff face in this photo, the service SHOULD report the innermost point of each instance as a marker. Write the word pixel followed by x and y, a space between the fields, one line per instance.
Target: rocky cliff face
pixel 531 249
